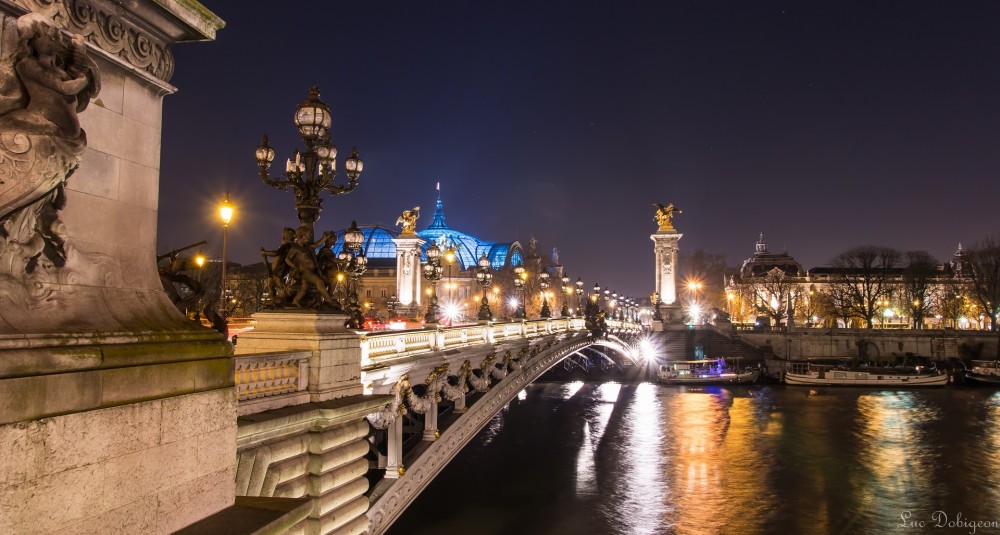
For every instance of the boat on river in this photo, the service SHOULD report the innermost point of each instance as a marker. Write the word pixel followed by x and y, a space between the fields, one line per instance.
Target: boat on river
pixel 984 372
pixel 825 374
pixel 705 372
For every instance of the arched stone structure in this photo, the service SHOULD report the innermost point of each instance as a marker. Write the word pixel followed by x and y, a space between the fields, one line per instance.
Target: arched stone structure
pixel 513 373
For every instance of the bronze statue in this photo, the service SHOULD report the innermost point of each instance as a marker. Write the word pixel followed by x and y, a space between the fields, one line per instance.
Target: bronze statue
pixel 665 215
pixel 302 260
pixel 277 271
pixel 408 221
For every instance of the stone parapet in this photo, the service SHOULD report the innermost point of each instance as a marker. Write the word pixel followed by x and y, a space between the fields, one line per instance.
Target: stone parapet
pixel 103 471
pixel 317 451
pixel 335 360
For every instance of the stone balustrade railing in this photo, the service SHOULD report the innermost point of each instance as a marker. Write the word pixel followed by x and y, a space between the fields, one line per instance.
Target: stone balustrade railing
pixel 266 381
pixel 391 345
pixel 271 380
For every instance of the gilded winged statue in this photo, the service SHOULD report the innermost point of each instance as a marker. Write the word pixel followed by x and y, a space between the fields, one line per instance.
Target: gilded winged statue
pixel 665 215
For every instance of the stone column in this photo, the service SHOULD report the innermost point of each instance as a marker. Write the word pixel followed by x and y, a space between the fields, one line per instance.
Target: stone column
pixel 394 449
pixel 665 248
pixel 431 421
pixel 408 274
pixel 116 413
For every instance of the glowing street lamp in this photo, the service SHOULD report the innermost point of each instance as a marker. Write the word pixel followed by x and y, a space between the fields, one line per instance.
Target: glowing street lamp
pixel 543 283
pixel 579 295
pixel 567 292
pixel 485 278
pixel 433 273
pixel 520 278
pixel 313 171
pixel 226 215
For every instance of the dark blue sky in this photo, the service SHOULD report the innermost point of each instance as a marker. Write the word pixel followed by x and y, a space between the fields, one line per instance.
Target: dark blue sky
pixel 825 125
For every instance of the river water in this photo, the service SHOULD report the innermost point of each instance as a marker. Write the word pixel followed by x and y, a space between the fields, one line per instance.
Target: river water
pixel 608 458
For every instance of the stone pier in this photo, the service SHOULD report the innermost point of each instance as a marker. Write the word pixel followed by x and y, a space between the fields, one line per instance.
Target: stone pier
pixel 117 415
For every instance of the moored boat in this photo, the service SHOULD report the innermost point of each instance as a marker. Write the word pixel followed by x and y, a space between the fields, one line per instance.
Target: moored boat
pixel 704 372
pixel 984 371
pixel 811 374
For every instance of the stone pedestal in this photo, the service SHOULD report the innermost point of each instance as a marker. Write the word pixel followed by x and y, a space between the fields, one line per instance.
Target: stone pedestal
pixel 665 248
pixel 116 413
pixel 408 274
pixel 335 364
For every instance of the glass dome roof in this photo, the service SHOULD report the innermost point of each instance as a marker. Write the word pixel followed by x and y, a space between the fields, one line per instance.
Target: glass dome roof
pixel 378 243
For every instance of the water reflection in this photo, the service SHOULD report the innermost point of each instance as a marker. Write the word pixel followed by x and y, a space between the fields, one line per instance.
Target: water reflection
pixel 642 458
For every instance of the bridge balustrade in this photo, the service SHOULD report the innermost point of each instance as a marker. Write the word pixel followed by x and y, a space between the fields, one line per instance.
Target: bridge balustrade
pixel 271 380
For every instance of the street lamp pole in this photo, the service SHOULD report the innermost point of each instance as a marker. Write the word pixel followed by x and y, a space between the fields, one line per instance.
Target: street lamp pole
pixel 520 276
pixel 226 214
pixel 433 272
pixel 484 277
pixel 567 291
pixel 579 296
pixel 543 283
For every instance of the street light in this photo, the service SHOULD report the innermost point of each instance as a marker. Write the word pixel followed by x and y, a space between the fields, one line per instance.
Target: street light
pixel 543 283
pixel 226 214
pixel 449 256
pixel 353 262
pixel 579 296
pixel 567 291
pixel 433 273
pixel 485 278
pixel 520 276
pixel 308 174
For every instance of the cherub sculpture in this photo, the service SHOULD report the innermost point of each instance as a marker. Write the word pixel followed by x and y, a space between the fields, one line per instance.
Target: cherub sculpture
pixel 44 83
pixel 665 215
pixel 408 220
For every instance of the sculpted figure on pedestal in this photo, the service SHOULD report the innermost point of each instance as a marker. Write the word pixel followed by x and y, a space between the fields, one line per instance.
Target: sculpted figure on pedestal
pixel 665 215
pixel 44 83
pixel 277 270
pixel 408 220
pixel 303 262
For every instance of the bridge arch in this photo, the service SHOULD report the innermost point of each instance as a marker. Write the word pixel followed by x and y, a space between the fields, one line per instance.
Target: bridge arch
pixel 514 373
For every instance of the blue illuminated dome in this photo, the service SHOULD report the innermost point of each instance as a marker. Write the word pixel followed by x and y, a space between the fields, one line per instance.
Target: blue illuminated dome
pixel 378 245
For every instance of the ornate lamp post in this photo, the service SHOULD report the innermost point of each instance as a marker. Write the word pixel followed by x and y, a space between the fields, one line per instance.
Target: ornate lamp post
pixel 579 296
pixel 226 215
pixel 353 262
pixel 520 276
pixel 433 273
pixel 543 283
pixel 567 291
pixel 449 256
pixel 613 306
pixel 654 298
pixel 484 277
pixel 313 171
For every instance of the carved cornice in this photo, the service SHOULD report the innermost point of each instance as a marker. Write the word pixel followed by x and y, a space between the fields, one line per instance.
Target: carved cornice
pixel 107 27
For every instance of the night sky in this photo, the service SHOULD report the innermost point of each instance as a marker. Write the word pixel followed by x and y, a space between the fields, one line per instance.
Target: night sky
pixel 824 125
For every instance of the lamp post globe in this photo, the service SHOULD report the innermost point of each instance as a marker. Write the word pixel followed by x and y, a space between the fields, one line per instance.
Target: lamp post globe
pixel 543 283
pixel 520 276
pixel 433 272
pixel 485 278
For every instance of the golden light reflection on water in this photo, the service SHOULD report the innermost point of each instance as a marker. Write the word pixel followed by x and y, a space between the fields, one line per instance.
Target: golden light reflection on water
pixel 715 465
pixel 895 457
pixel 991 453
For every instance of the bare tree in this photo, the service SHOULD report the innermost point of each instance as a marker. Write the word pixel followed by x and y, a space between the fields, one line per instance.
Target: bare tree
pixel 918 277
pixel 773 294
pixel 833 300
pixel 984 259
pixel 866 277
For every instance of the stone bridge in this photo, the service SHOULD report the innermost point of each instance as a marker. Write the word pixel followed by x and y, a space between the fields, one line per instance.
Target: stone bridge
pixel 360 423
